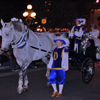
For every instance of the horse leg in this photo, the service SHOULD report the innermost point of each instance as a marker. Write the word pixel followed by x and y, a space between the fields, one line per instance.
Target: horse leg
pixel 23 82
pixel 45 60
pixel 47 75
pixel 25 86
pixel 20 83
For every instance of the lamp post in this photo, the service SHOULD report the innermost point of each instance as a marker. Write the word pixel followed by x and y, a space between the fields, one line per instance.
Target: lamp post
pixel 29 14
pixel 97 1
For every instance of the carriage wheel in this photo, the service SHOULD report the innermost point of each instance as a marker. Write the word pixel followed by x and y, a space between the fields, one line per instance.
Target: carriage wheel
pixel 87 70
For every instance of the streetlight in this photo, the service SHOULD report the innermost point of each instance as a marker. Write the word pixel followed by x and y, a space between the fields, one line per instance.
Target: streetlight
pixel 97 1
pixel 29 6
pixel 29 14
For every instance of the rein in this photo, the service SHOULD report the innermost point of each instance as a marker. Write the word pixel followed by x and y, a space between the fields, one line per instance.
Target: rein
pixel 39 44
pixel 39 49
pixel 23 40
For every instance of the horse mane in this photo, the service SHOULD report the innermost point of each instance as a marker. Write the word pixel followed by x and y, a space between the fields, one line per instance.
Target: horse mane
pixel 18 26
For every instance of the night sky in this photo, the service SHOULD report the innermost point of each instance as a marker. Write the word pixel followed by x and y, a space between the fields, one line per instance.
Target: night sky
pixel 12 8
pixel 61 11
pixel 15 8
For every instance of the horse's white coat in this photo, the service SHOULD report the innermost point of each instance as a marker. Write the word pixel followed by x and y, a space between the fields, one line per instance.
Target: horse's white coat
pixel 25 54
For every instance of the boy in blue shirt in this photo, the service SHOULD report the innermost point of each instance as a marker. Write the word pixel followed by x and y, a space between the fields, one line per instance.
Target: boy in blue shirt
pixel 58 65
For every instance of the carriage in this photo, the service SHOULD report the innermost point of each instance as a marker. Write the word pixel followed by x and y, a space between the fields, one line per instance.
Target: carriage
pixel 84 58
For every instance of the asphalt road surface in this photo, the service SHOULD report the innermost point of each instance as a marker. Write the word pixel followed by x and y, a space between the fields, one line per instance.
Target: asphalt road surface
pixel 74 88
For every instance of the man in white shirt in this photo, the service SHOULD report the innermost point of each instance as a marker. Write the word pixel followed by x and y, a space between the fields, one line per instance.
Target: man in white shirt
pixel 94 32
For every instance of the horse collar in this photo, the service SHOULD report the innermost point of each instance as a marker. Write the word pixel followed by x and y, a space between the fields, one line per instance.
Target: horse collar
pixel 22 41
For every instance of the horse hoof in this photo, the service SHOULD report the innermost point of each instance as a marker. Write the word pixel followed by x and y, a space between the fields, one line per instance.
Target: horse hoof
pixel 48 84
pixel 20 91
pixel 25 88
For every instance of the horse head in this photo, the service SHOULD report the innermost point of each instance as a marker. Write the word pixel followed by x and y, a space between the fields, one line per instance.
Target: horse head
pixel 11 33
pixel 6 35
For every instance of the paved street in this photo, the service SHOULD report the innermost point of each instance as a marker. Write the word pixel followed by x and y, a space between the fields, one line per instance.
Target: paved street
pixel 74 88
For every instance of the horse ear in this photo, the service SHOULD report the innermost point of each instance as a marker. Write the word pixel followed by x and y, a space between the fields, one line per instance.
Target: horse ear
pixel 2 23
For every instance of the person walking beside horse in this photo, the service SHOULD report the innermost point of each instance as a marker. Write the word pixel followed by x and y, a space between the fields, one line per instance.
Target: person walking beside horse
pixel 58 65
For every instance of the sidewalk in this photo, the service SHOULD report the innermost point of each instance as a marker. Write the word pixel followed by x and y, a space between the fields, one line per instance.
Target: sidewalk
pixel 6 71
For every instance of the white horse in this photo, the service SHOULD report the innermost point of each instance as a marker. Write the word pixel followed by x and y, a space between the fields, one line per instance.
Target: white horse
pixel 27 47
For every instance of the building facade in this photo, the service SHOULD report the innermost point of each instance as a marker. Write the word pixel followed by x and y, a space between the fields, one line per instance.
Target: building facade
pixel 95 15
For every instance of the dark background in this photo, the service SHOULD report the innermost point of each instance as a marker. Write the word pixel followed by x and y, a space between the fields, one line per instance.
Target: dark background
pixel 61 12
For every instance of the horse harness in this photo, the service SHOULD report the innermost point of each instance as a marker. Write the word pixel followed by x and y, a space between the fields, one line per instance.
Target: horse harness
pixel 23 40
